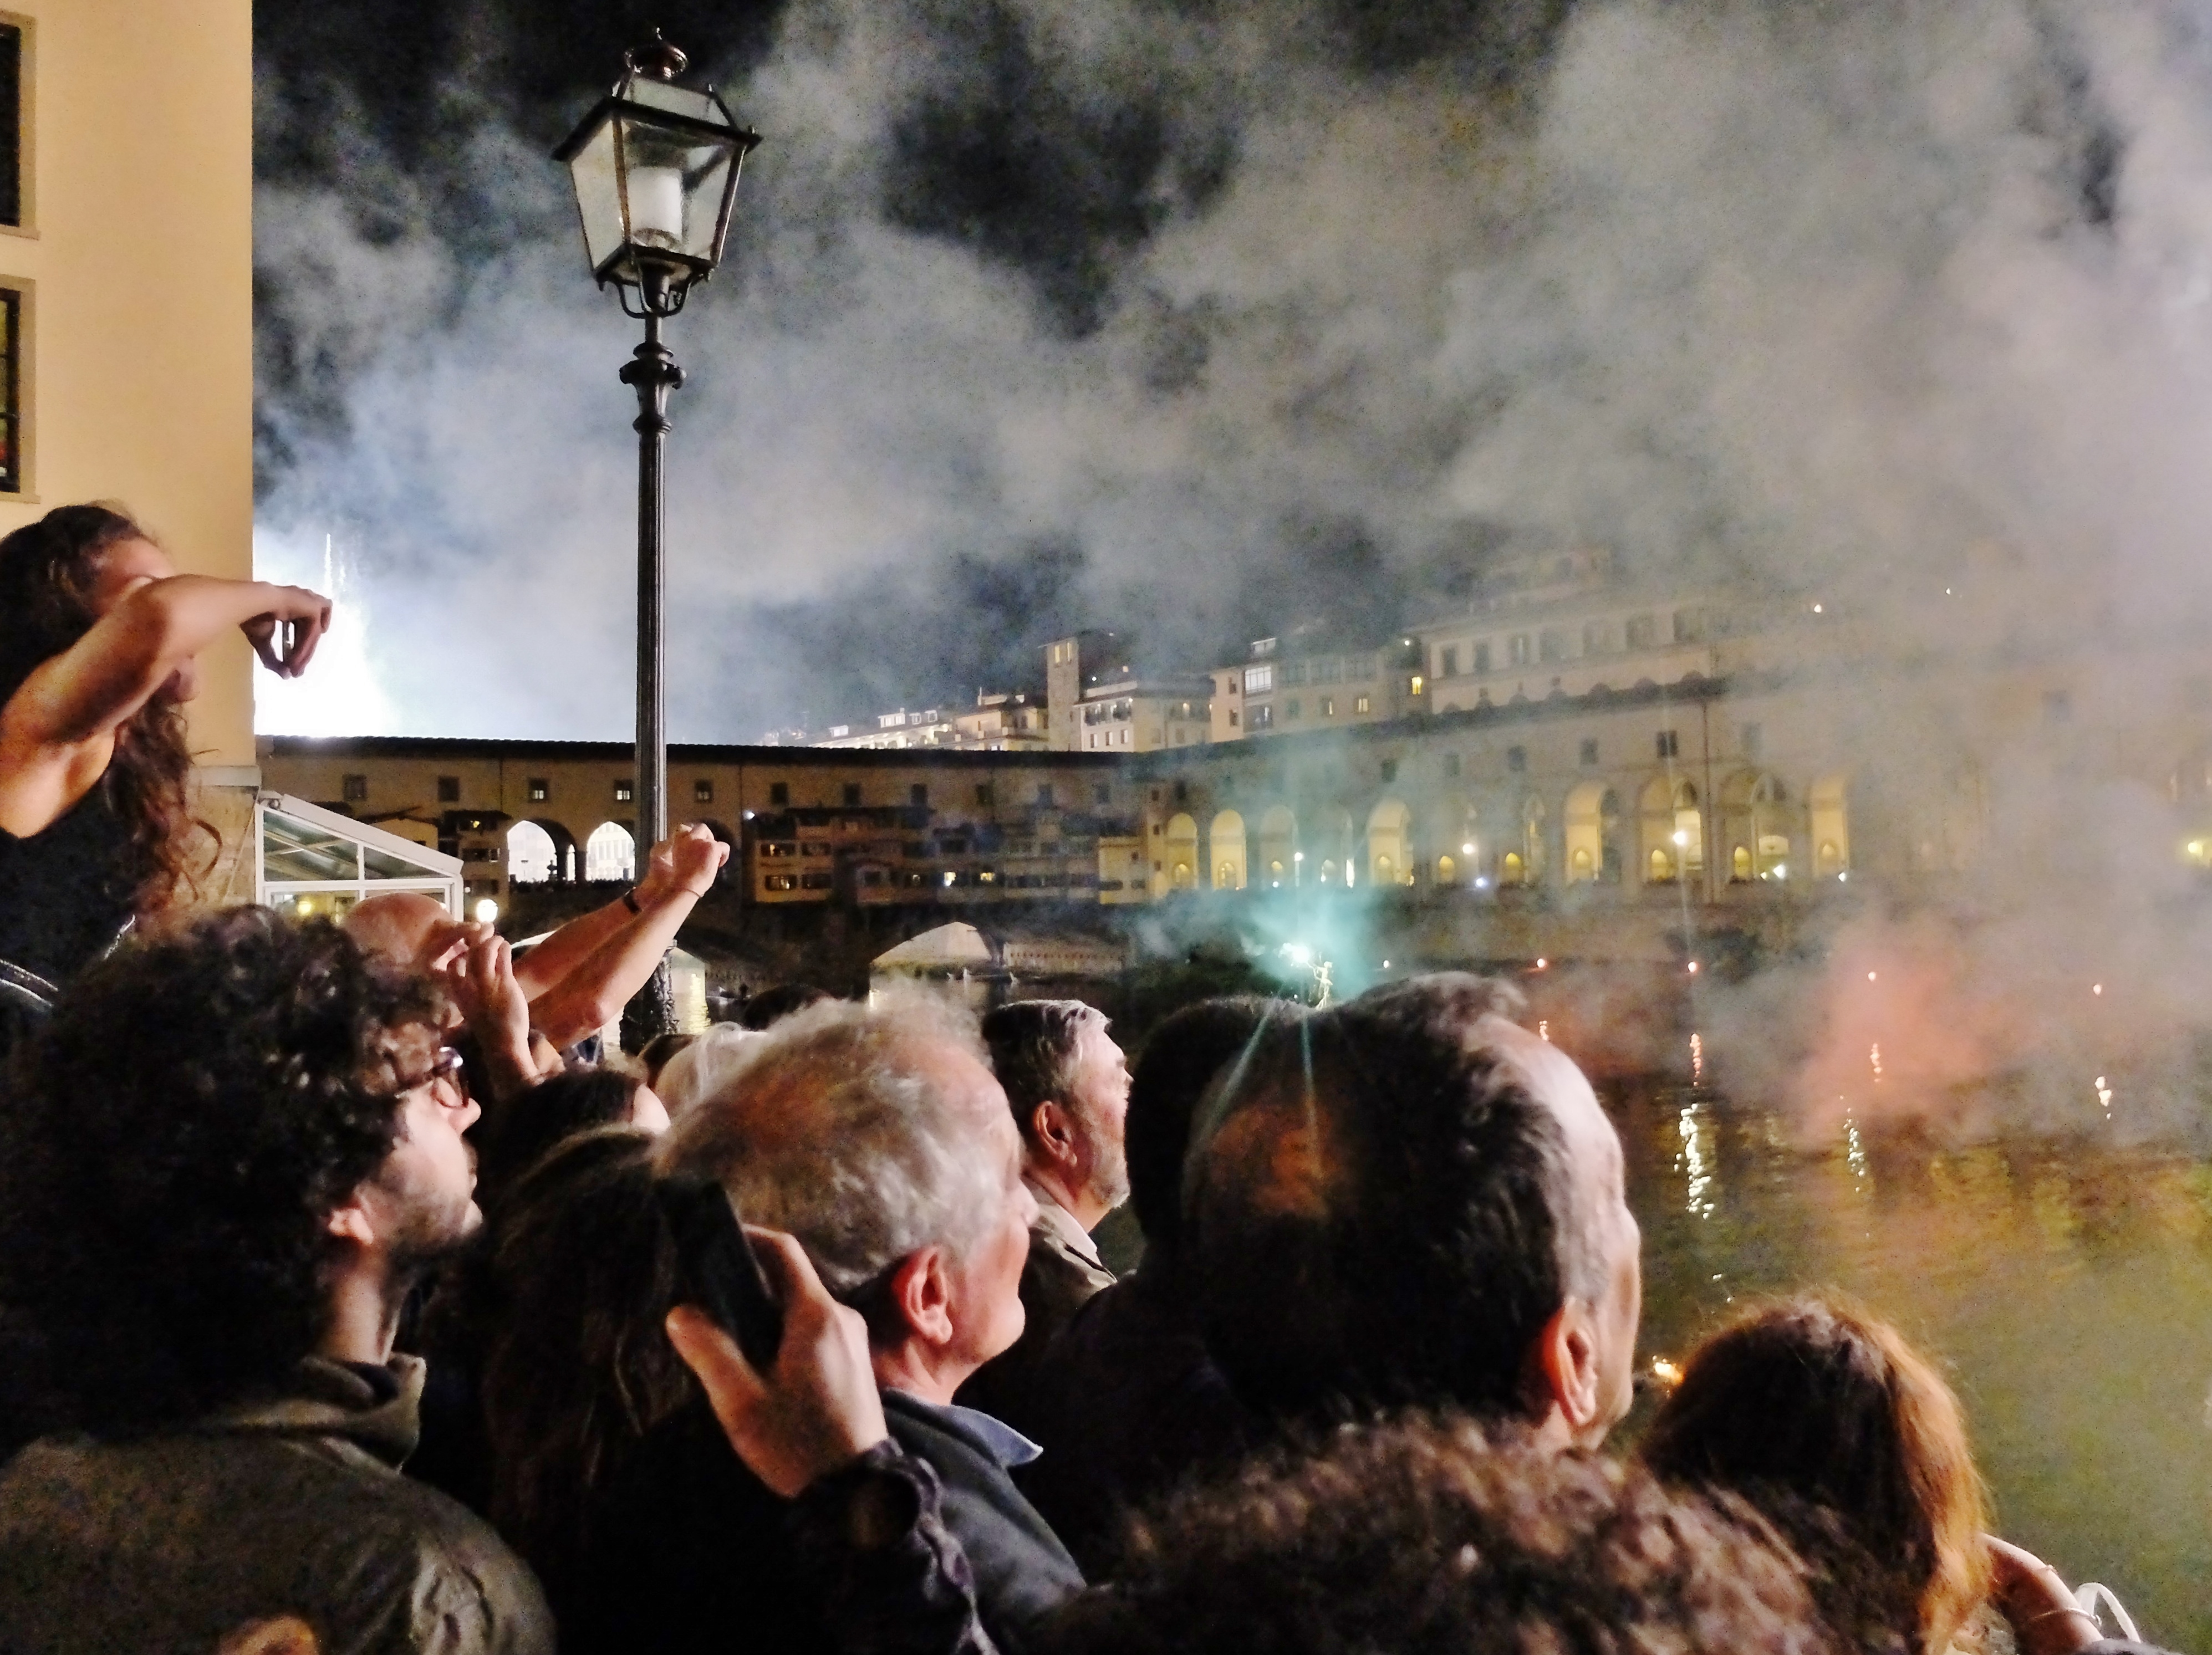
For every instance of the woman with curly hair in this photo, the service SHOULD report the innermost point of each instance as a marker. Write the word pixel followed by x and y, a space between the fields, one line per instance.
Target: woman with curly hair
pixel 98 639
pixel 1832 1425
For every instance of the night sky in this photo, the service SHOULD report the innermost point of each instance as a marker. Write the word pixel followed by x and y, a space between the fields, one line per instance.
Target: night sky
pixel 1200 320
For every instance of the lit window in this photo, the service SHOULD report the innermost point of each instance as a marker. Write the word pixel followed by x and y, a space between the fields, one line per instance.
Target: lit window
pixel 539 790
pixel 1517 648
pixel 1328 706
pixel 1258 681
pixel 1362 705
pixel 1413 685
pixel 623 791
pixel 702 791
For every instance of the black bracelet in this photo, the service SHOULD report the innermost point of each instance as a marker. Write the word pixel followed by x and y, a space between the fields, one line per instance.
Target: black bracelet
pixel 629 900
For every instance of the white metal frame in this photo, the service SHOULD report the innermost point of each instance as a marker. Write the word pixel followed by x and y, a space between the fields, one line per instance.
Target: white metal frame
pixel 440 877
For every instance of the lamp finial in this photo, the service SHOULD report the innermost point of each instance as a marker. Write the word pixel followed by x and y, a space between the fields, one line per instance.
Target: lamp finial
pixel 658 58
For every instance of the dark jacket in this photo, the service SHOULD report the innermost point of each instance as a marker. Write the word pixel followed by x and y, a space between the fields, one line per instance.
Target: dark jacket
pixel 290 1508
pixel 689 1549
pixel 1062 1271
pixel 1128 1404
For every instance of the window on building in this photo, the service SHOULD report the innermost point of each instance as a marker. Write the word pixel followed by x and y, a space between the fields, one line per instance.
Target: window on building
pixel 449 790
pixel 1451 764
pixel 1362 704
pixel 539 790
pixel 1551 644
pixel 1415 684
pixel 1258 681
pixel 1330 672
pixel 1102 794
pixel 1669 744
pixel 1516 758
pixel 1590 749
pixel 357 790
pixel 703 790
pixel 1361 667
pixel 1689 626
pixel 1448 661
pixel 917 794
pixel 1594 639
pixel 11 385
pixel 1182 792
pixel 779 794
pixel 1389 770
pixel 1643 631
pixel 11 125
pixel 1232 717
pixel 984 797
pixel 852 794
pixel 1754 738
pixel 1328 706
pixel 1263 717
pixel 1294 672
pixel 624 790
pixel 1519 649
pixel 1292 707
pixel 1482 658
pixel 1044 792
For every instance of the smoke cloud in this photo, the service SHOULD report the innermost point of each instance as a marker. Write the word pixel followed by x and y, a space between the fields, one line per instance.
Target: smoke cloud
pixel 1195 320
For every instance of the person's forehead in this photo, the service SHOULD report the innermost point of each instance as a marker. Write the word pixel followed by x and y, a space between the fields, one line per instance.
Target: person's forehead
pixel 135 559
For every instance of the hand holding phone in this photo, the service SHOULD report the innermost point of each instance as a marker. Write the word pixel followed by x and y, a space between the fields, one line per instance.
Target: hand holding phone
pixel 716 1268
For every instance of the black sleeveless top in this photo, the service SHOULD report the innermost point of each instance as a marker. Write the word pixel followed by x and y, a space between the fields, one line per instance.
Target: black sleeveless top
pixel 65 893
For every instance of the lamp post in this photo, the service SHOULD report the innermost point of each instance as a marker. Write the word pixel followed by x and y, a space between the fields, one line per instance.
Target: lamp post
pixel 655 166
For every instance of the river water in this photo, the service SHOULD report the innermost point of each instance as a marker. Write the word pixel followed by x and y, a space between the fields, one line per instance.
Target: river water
pixel 2065 1284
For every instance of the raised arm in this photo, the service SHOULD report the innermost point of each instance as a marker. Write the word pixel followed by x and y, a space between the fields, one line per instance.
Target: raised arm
pixel 545 965
pixel 57 731
pixel 593 992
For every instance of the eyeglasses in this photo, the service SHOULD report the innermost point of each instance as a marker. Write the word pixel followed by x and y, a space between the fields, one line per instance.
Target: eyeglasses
pixel 447 1065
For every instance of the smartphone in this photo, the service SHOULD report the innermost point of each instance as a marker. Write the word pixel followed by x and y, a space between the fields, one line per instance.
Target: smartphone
pixel 716 1268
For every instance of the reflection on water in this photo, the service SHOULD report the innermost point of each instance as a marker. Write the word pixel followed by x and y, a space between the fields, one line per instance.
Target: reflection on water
pixel 2067 1285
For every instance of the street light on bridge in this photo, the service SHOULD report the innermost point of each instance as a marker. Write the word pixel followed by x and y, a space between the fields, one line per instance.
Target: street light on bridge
pixel 655 166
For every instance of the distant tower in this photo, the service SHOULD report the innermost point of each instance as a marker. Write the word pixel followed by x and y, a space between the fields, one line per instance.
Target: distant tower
pixel 1068 664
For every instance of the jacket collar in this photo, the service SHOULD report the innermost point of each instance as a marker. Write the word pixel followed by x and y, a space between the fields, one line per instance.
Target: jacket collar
pixel 375 1409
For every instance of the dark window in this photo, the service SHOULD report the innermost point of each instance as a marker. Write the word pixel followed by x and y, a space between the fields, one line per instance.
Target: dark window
pixel 1044 792
pixel 1292 709
pixel 1516 758
pixel 1182 792
pixel 779 882
pixel 1590 749
pixel 702 791
pixel 625 791
pixel 1482 658
pixel 1670 746
pixel 1451 764
pixel 1689 626
pixel 11 387
pixel 918 794
pixel 852 793
pixel 779 849
pixel 1232 717
pixel 1101 794
pixel 449 790
pixel 1389 770
pixel 1448 662
pixel 540 790
pixel 816 882
pixel 357 790
pixel 1754 739
pixel 1643 631
pixel 11 126
pixel 779 793
pixel 1551 644
pixel 983 795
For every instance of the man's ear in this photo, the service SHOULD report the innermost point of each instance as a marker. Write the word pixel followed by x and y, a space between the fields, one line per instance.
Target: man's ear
pixel 1054 1130
pixel 922 1291
pixel 353 1222
pixel 1566 1362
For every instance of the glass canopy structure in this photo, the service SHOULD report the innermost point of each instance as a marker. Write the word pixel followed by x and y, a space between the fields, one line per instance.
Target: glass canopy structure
pixel 308 860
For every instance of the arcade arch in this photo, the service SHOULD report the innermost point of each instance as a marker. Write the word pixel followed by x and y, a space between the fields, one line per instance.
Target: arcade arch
pixel 1389 857
pixel 609 854
pixel 1759 824
pixel 1830 801
pixel 1593 835
pixel 1182 857
pixel 539 852
pixel 1279 864
pixel 1225 844
pixel 1673 831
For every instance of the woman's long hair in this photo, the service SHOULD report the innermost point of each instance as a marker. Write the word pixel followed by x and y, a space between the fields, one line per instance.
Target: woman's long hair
pixel 48 572
pixel 577 1368
pixel 1811 1403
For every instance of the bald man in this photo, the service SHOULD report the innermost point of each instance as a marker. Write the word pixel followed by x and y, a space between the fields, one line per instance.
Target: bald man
pixel 579 979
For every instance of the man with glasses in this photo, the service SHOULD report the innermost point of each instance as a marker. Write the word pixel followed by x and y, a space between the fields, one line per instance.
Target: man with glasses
pixel 222 1166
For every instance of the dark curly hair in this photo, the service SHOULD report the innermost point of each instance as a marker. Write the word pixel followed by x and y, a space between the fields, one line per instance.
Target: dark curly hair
pixel 48 571
pixel 1420 1536
pixel 172 1145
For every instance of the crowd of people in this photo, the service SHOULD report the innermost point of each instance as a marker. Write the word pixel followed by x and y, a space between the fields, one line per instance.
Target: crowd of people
pixel 343 1307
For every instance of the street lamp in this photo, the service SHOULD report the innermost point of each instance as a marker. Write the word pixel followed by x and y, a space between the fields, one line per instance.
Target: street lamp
pixel 655 166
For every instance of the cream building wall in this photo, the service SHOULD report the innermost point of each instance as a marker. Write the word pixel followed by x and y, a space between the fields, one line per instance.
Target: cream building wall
pixel 135 264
